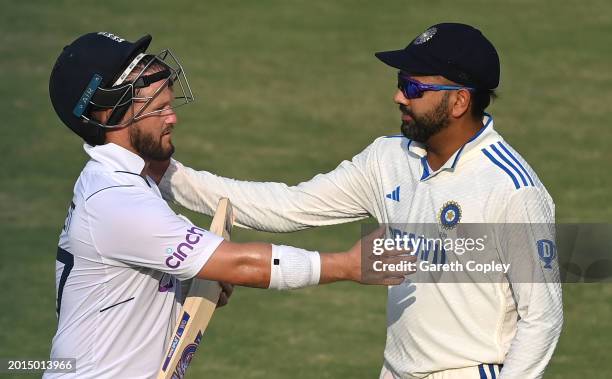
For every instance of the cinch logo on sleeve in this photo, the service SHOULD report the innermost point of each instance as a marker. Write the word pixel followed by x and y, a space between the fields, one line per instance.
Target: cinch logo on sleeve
pixel 192 238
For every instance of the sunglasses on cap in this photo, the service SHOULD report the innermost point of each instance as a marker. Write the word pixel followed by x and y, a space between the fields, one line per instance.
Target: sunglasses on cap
pixel 413 89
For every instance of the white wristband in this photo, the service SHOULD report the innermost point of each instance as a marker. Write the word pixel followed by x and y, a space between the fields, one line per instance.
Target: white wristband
pixel 292 268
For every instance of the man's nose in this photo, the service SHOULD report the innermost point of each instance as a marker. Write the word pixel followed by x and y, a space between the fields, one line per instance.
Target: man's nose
pixel 399 98
pixel 171 117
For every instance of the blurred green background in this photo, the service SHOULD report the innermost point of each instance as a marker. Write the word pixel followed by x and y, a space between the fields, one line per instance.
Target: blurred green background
pixel 285 90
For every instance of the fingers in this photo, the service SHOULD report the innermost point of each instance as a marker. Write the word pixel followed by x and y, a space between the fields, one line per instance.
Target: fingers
pixel 377 243
pixel 393 281
pixel 388 269
pixel 397 252
pixel 377 233
pixel 390 253
pixel 397 260
pixel 367 242
pixel 223 300
pixel 383 260
pixel 378 259
pixel 226 291
pixel 227 288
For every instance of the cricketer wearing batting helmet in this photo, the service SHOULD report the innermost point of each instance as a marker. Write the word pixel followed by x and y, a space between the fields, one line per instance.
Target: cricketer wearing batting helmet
pixel 122 251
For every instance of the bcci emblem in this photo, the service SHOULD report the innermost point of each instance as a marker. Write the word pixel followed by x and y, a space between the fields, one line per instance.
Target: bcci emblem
pixel 426 36
pixel 450 214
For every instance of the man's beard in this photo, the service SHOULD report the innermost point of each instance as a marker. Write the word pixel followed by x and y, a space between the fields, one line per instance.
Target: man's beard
pixel 149 148
pixel 421 128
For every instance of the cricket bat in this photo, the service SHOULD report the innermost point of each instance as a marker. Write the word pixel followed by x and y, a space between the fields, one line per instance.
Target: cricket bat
pixel 198 308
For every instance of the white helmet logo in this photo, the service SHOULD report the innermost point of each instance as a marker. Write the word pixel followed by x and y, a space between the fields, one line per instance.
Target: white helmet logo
pixel 111 36
pixel 426 36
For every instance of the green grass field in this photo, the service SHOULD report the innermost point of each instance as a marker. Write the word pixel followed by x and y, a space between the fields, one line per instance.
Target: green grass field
pixel 285 90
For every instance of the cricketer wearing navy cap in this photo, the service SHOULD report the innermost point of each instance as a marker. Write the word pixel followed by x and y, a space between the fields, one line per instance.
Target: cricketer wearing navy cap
pixel 458 52
pixel 448 168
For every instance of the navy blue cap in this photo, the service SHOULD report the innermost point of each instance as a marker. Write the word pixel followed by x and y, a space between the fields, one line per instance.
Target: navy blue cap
pixel 92 61
pixel 458 52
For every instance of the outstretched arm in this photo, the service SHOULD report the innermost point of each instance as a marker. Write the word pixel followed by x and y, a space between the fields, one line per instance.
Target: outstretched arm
pixel 263 265
pixel 342 195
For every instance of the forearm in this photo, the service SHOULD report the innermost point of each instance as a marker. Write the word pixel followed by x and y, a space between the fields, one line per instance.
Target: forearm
pixel 536 337
pixel 530 353
pixel 256 265
pixel 245 264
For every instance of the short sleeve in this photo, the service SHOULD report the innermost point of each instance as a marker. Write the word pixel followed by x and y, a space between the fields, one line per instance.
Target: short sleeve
pixel 137 228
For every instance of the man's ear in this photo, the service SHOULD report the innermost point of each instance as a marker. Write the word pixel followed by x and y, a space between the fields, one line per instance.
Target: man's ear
pixel 461 103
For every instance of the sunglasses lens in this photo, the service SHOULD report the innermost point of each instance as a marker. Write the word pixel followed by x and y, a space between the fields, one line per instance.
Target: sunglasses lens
pixel 412 90
pixel 409 88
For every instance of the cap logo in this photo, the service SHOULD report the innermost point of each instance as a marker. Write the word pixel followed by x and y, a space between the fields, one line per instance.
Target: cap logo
pixel 111 36
pixel 425 36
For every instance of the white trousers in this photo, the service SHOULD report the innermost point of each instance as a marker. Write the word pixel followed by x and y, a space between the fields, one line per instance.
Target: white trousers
pixel 482 371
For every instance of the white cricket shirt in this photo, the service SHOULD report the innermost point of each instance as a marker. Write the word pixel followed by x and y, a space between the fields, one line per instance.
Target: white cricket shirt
pixel 430 327
pixel 121 255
